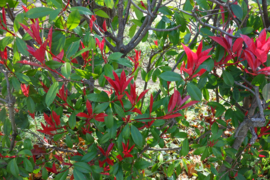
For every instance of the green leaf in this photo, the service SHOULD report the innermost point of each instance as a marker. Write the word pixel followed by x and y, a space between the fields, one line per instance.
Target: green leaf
pixel 119 110
pixel 109 120
pixel 21 45
pixel 69 141
pixel 101 107
pixel 53 64
pixel 16 84
pixel 12 167
pixel 28 166
pixel 185 148
pixel 62 176
pixel 170 76
pixel 66 70
pixel 109 3
pixel 165 10
pixel 101 13
pixel 81 10
pixel 132 30
pixel 25 152
pixel 142 164
pixel 31 105
pixel 199 151
pixel 82 167
pixel 78 175
pixel 89 156
pixel 237 10
pixel 206 32
pixel 202 3
pixel 228 78
pixel 136 136
pixel 23 78
pixel 102 97
pixel 126 132
pixel 72 120
pixel 170 170
pixel 54 89
pixel 194 92
pixel 108 70
pixel 38 12
pixel 54 14
pixel 73 20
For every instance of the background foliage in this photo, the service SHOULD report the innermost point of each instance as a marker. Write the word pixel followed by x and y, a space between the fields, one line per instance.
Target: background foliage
pixel 134 89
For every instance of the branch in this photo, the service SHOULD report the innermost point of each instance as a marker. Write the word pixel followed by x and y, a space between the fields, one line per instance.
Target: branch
pixel 134 4
pixel 5 101
pixel 10 102
pixel 245 87
pixel 261 12
pixel 265 13
pixel 121 26
pixel 44 143
pixel 110 46
pixel 162 30
pixel 208 25
pixel 127 12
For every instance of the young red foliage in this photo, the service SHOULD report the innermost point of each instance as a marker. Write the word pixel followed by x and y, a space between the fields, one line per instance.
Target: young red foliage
pixel 25 89
pixel 90 115
pixel 194 60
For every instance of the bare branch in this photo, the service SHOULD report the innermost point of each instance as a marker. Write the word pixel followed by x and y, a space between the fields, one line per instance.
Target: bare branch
pixel 10 102
pixel 5 101
pixel 208 25
pixel 121 26
pixel 265 13
pixel 261 12
pixel 245 87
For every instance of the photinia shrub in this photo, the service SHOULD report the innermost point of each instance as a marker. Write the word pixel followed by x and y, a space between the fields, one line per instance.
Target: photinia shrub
pixel 76 104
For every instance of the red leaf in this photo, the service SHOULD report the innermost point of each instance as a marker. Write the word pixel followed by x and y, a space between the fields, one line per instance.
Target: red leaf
pixel 130 98
pixel 220 41
pixel 100 117
pixel 136 110
pixel 101 150
pixel 170 116
pixel 143 4
pixel 25 89
pixel 156 42
pixel 173 101
pixel 56 118
pixel 189 104
pixel 125 84
pixel 102 44
pixel 109 149
pixel 25 8
pixel 89 108
pixel 81 114
pixel 142 94
pixel 4 54
pixel 32 115
pixel 189 56
pixel 119 157
pixel 104 26
pixel 48 119
pixel 237 44
pixel 4 16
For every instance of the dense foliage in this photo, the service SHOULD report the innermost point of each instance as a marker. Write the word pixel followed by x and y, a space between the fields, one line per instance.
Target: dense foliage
pixel 72 105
